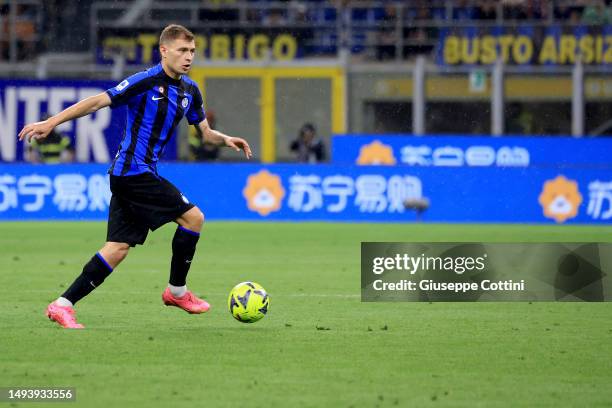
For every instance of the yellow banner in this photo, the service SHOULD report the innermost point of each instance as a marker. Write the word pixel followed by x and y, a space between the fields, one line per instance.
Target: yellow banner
pixel 143 48
pixel 525 49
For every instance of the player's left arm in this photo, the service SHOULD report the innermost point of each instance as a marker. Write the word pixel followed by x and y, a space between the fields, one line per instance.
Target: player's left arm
pixel 220 139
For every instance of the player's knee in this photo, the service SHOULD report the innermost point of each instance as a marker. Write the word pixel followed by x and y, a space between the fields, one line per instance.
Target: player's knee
pixel 121 251
pixel 116 251
pixel 196 219
pixel 200 218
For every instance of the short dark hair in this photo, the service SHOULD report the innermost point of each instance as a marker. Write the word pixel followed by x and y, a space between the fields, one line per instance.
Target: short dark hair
pixel 173 32
pixel 307 127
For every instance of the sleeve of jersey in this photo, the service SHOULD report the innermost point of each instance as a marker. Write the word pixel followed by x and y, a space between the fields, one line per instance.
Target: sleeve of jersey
pixel 127 89
pixel 196 113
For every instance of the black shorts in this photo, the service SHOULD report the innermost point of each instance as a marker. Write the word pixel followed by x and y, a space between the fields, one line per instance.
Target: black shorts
pixel 141 203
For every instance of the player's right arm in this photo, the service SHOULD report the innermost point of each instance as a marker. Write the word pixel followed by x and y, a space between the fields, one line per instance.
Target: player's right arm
pixel 40 130
pixel 113 97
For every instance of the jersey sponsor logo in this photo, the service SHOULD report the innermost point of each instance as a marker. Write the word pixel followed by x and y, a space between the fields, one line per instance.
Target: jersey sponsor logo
pixel 122 85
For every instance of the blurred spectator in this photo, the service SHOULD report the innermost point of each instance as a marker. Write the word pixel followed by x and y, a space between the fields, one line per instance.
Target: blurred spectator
pixel 219 10
pixel 543 9
pixel 387 33
pixel 537 9
pixel 55 148
pixel 525 9
pixel 308 147
pixel 521 120
pixel 463 10
pixel 562 11
pixel 275 17
pixel 575 16
pixel 299 12
pixel 24 29
pixel 486 10
pixel 514 9
pixel 4 28
pixel 254 15
pixel 200 150
pixel 596 13
pixel 422 38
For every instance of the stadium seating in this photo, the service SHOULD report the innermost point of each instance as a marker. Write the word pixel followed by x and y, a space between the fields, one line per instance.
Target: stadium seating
pixel 363 26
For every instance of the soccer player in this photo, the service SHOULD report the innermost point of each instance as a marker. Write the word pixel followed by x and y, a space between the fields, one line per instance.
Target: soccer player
pixel 142 200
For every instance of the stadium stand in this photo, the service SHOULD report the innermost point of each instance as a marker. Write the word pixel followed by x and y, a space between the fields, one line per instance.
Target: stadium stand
pixel 369 29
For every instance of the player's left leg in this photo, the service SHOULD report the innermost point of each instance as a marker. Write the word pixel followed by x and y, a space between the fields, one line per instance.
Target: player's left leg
pixel 183 249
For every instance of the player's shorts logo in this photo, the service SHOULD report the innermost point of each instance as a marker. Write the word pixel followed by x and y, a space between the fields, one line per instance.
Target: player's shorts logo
pixel 376 153
pixel 185 102
pixel 264 192
pixel 560 199
pixel 122 85
pixel 185 200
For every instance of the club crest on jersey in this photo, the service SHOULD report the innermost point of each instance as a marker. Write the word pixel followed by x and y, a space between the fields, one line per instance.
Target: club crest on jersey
pixel 185 102
pixel 161 89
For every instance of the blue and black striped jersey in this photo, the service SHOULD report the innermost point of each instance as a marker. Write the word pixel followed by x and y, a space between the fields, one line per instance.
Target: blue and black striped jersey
pixel 156 103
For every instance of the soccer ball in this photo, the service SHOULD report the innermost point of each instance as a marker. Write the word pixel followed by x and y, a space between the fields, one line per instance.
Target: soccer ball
pixel 248 302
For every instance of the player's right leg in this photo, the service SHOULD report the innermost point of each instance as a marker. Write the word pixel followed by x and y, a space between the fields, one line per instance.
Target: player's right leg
pixel 94 273
pixel 123 232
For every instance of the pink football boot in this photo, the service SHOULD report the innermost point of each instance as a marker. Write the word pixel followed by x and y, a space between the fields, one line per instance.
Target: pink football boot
pixel 63 315
pixel 188 302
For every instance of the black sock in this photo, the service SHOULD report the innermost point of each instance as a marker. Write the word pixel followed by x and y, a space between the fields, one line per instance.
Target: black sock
pixel 94 273
pixel 183 248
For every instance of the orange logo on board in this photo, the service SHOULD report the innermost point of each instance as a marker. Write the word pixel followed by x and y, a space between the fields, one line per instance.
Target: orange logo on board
pixel 376 153
pixel 560 199
pixel 264 192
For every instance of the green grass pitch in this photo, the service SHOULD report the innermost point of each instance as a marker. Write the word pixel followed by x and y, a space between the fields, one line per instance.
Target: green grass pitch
pixel 319 346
